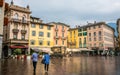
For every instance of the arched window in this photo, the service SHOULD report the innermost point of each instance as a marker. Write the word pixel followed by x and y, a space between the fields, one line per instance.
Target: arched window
pixel 100 33
pixel 16 16
pixel 24 19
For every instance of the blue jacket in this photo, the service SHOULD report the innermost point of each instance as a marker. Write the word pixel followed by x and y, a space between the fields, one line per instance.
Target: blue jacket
pixel 47 58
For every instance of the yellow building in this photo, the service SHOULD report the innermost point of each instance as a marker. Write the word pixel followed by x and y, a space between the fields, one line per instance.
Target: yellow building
pixel 77 37
pixel 73 38
pixel 40 35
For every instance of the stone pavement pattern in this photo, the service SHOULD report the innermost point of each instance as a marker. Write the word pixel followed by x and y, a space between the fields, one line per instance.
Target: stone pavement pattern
pixel 67 66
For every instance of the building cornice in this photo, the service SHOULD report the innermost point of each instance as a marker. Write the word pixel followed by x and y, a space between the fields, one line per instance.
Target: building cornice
pixel 18 8
pixel 59 23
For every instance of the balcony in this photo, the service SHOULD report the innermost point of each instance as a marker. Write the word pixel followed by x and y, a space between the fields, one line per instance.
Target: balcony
pixel 25 22
pixel 15 30
pixel 56 29
pixel 23 31
pixel 56 37
pixel 1 3
pixel 64 38
pixel 20 41
pixel 16 20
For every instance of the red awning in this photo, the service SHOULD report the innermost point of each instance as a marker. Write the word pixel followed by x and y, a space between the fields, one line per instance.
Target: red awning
pixel 18 46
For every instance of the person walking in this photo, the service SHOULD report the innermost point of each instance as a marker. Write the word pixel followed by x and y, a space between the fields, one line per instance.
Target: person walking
pixel 46 58
pixel 34 59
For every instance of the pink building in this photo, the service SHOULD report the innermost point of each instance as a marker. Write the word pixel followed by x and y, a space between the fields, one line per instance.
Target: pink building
pixel 100 36
pixel 60 33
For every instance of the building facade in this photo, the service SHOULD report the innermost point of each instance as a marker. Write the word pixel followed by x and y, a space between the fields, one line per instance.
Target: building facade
pixel 60 32
pixel 96 36
pixel 73 41
pixel 100 36
pixel 118 30
pixel 17 30
pixel 41 34
pixel 82 36
pixel 2 5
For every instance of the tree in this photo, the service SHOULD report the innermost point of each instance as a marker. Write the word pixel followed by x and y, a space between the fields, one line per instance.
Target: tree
pixel 17 51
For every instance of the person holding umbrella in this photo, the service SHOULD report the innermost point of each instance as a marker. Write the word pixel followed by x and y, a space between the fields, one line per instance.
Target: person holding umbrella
pixel 46 58
pixel 35 59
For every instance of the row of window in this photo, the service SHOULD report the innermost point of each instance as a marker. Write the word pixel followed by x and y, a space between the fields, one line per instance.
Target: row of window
pixel 95 33
pixel 80 40
pixel 56 42
pixel 91 45
pixel 40 26
pixel 95 39
pixel 15 36
pixel 32 42
pixel 16 16
pixel 94 27
pixel 96 45
pixel 82 34
pixel 85 34
pixel 34 20
pixel 58 34
pixel 41 34
pixel 57 26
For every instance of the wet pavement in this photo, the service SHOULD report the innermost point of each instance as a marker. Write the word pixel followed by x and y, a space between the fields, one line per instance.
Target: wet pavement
pixel 82 65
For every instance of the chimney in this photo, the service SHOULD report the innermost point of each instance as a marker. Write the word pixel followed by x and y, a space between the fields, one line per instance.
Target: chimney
pixel 28 7
pixel 94 22
pixel 12 2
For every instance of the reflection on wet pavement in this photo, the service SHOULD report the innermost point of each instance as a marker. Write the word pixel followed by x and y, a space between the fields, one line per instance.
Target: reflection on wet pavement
pixel 66 66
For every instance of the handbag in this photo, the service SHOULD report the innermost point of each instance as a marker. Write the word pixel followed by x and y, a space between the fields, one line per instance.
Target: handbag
pixel 43 61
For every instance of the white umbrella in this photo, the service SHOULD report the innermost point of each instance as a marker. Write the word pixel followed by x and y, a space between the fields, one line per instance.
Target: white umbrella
pixel 36 49
pixel 47 51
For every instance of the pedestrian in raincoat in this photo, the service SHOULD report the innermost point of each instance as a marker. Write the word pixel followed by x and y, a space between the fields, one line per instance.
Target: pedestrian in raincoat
pixel 46 58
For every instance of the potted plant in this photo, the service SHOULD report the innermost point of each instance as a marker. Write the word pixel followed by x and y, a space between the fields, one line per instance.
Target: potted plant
pixel 18 52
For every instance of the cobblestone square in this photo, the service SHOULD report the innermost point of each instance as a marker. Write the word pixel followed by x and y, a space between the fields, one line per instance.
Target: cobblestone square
pixel 81 65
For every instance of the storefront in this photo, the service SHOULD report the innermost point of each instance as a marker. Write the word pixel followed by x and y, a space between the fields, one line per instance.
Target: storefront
pixel 59 49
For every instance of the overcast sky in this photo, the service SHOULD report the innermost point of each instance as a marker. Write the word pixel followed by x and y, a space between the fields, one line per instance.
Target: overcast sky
pixel 73 12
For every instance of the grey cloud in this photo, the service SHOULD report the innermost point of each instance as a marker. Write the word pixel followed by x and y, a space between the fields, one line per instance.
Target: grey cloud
pixel 74 12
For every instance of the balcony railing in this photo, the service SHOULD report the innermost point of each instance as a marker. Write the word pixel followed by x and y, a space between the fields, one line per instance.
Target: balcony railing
pixel 15 30
pixel 23 31
pixel 1 3
pixel 56 29
pixel 57 37
pixel 64 38
pixel 20 41
pixel 24 21
pixel 16 20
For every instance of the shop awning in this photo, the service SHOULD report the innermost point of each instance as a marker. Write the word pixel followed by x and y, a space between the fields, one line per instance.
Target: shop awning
pixel 18 46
